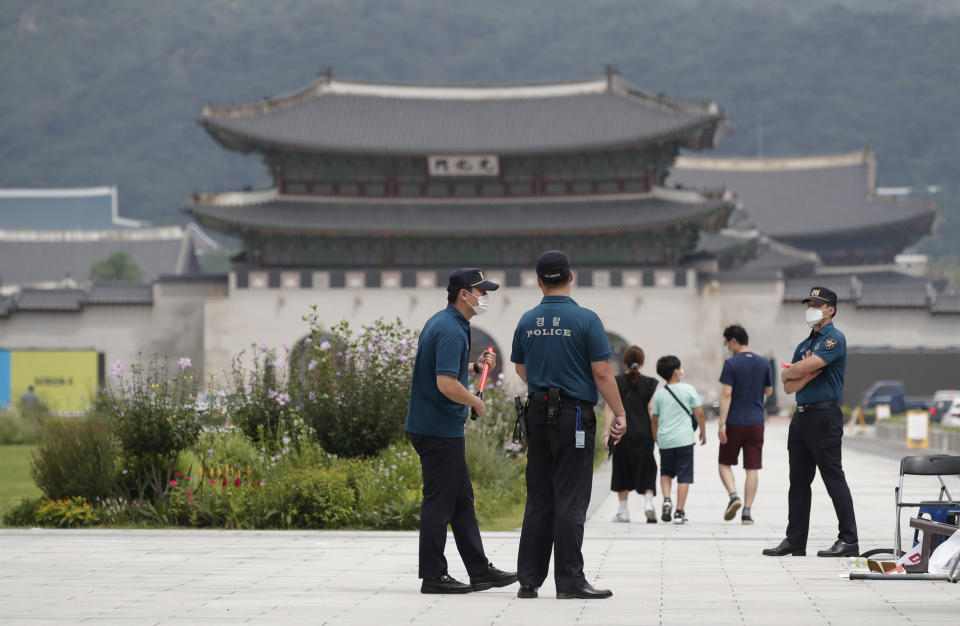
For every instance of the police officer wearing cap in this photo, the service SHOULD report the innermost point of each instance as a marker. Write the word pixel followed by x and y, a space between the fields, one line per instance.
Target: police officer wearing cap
pixel 439 404
pixel 816 431
pixel 561 352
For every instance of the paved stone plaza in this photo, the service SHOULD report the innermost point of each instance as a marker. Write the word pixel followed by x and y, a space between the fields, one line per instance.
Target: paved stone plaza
pixel 708 572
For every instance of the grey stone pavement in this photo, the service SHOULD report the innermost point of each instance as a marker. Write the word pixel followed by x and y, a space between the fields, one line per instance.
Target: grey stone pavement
pixel 707 572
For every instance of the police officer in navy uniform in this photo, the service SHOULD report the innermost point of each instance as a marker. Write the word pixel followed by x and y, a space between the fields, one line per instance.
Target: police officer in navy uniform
pixel 816 431
pixel 439 404
pixel 561 352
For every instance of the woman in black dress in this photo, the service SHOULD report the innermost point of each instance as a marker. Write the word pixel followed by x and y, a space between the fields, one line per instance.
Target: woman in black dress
pixel 634 467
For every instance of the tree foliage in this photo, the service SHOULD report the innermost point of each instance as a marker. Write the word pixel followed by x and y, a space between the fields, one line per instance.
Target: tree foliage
pixel 119 266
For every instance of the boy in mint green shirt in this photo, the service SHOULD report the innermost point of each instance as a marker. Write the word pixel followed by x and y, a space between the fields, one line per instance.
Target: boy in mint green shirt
pixel 670 415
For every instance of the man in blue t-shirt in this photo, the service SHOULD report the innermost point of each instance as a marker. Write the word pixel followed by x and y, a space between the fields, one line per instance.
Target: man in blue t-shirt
pixel 561 352
pixel 439 403
pixel 746 380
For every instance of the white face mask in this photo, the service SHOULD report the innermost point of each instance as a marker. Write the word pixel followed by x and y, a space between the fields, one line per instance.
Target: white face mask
pixel 483 304
pixel 726 348
pixel 681 373
pixel 813 316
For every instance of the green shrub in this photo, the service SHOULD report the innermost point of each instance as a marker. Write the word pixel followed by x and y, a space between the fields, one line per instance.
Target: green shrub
pixel 68 513
pixel 19 428
pixel 226 447
pixel 355 389
pixel 23 514
pixel 314 498
pixel 388 488
pixel 260 401
pixel 76 458
pixel 155 418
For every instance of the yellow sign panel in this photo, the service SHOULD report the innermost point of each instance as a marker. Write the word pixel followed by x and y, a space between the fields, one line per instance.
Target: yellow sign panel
pixel 63 380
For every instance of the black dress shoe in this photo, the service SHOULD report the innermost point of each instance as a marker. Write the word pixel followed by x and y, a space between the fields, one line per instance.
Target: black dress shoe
pixel 584 592
pixel 527 592
pixel 444 584
pixel 785 549
pixel 493 577
pixel 841 549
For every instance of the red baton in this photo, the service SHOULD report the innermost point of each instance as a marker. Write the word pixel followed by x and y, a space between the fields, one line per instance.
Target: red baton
pixel 483 383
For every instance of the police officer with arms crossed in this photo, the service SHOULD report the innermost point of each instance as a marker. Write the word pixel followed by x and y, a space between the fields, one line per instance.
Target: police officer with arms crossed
pixel 561 352
pixel 816 431
pixel 439 403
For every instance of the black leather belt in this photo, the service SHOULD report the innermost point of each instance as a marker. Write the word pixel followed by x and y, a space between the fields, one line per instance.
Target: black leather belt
pixel 540 397
pixel 817 406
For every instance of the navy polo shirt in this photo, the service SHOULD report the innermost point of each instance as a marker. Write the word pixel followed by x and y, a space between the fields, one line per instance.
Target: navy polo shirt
pixel 830 345
pixel 747 374
pixel 556 342
pixel 443 348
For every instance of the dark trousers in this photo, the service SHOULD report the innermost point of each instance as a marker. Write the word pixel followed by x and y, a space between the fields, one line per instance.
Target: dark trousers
pixel 559 480
pixel 447 499
pixel 814 441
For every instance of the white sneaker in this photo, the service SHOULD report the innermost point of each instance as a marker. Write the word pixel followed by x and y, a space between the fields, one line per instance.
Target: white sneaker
pixel 622 516
pixel 650 512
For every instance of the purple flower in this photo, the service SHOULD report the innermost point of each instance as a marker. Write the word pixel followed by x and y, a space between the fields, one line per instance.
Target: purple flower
pixel 370 348
pixel 325 345
pixel 118 369
pixel 185 362
pixel 308 341
pixel 286 346
pixel 283 398
pixel 361 332
pixel 247 388
pixel 312 365
pixel 280 363
pixel 312 395
pixel 402 358
pixel 271 394
pixel 262 347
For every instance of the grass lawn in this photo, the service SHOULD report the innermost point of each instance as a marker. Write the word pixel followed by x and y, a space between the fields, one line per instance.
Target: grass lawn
pixel 15 480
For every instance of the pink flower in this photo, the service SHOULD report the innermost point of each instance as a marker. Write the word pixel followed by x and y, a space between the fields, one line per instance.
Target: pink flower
pixel 283 398
pixel 185 363
pixel 213 481
pixel 188 492
pixel 173 483
pixel 312 365
pixel 262 347
pixel 224 481
pixel 190 500
pixel 236 483
pixel 186 478
pixel 177 474
pixel 118 369
pixel 325 345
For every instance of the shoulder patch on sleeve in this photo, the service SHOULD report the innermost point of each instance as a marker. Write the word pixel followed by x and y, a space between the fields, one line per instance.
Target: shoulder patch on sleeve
pixel 830 344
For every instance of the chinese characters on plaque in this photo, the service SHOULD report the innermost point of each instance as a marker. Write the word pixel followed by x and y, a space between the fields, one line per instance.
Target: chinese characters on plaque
pixel 463 165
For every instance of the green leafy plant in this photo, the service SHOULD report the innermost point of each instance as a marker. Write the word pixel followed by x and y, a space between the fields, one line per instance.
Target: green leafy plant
pixel 315 497
pixel 355 387
pixel 155 417
pixel 76 458
pixel 260 399
pixel 67 513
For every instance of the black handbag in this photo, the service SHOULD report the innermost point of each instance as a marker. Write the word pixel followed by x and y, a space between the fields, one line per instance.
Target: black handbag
pixel 693 419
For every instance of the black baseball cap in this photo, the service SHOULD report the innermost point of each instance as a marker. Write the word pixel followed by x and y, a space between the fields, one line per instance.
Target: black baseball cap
pixel 552 265
pixel 821 295
pixel 467 277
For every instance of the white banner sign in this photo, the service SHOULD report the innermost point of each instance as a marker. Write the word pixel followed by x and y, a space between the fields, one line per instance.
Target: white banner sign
pixel 460 165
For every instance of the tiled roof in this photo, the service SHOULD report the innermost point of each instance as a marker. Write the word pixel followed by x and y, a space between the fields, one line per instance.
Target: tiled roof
pixel 7 306
pixel 895 295
pixel 772 259
pixel 946 304
pixel 346 116
pixel 802 197
pixel 30 257
pixel 51 299
pixel 797 289
pixel 120 293
pixel 444 217
pixel 88 208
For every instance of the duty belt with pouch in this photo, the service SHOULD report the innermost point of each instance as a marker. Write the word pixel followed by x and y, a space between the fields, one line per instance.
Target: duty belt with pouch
pixel 553 405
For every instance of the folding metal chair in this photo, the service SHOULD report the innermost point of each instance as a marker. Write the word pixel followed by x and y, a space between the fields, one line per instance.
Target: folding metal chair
pixel 938 465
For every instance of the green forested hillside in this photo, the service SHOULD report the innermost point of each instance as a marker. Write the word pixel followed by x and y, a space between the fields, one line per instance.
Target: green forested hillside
pixel 107 92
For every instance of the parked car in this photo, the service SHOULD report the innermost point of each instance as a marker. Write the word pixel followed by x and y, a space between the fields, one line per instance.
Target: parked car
pixel 891 392
pixel 946 407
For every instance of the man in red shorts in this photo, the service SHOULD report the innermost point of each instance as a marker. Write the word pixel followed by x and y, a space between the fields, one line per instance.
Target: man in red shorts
pixel 746 381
